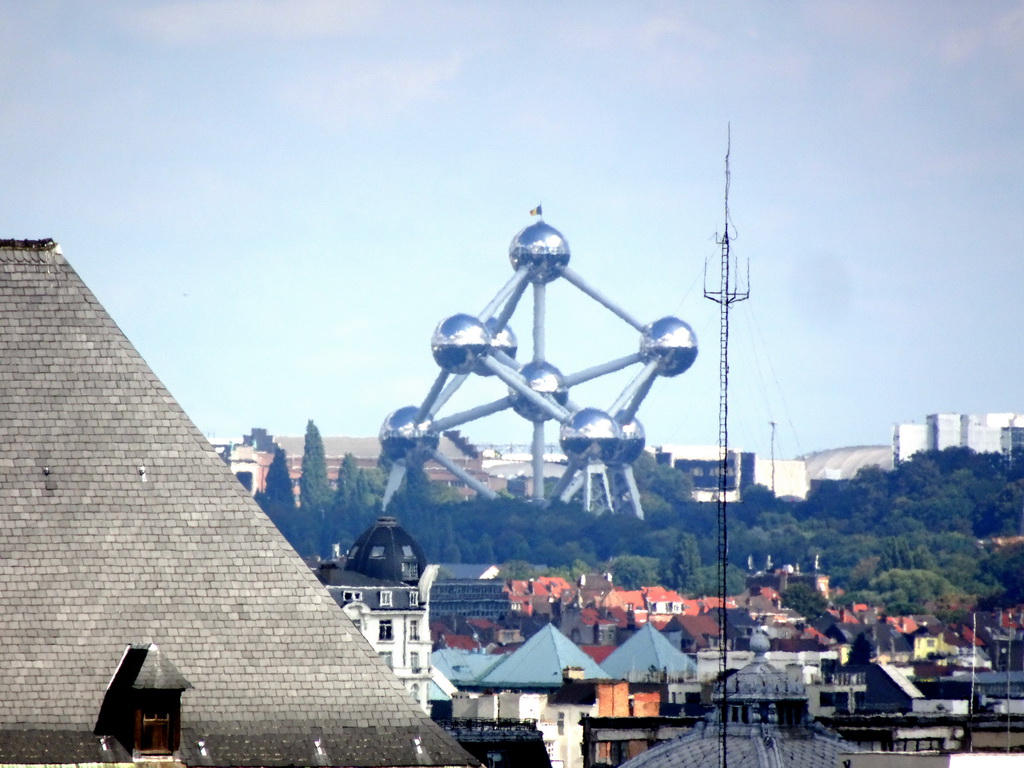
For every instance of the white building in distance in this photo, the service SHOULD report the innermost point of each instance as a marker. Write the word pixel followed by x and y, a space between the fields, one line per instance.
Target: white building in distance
pixel 983 433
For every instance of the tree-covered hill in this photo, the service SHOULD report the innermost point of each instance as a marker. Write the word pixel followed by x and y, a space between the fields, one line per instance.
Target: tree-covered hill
pixel 916 538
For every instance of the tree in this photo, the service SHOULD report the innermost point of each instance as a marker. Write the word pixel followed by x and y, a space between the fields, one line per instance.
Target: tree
pixel 633 571
pixel 277 500
pixel 805 600
pixel 685 563
pixel 314 488
pixel 277 489
pixel 861 650
pixel 348 493
pixel 517 569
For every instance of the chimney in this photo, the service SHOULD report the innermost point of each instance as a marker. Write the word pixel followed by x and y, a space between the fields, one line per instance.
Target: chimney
pixel 570 674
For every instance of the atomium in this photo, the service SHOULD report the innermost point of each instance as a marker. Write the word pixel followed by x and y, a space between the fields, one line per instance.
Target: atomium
pixel 597 441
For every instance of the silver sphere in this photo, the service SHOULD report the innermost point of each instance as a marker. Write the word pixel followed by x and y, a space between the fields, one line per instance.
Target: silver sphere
pixel 591 435
pixel 632 443
pixel 502 341
pixel 541 248
pixel 544 379
pixel 672 343
pixel 402 437
pixel 458 342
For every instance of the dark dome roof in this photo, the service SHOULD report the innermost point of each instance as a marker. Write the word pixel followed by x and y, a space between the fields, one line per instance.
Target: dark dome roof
pixel 385 551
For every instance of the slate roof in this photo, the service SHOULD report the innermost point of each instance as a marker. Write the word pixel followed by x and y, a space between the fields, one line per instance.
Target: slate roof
pixel 463 668
pixel 647 652
pixel 122 526
pixel 386 551
pixel 538 664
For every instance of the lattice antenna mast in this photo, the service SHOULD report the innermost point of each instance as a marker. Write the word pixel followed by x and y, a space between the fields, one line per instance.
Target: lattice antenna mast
pixel 729 292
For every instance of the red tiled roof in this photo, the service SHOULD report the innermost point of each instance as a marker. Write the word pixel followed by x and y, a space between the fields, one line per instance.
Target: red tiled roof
pixel 463 642
pixel 553 585
pixel 598 652
pixel 625 598
pixel 661 595
pixel 517 587
pixel 691 607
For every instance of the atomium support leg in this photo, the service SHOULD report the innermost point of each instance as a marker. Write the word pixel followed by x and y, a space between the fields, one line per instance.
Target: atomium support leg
pixel 570 474
pixel 463 475
pixel 625 497
pixel 538 461
pixel 601 299
pixel 574 478
pixel 398 470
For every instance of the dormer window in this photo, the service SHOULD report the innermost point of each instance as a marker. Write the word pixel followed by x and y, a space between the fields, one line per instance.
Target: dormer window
pixel 377 552
pixel 410 571
pixel 414 597
pixel 142 706
pixel 385 598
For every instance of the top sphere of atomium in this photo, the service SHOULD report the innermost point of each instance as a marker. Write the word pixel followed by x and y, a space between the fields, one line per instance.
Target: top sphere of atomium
pixel 542 249
pixel 402 437
pixel 458 342
pixel 590 435
pixel 672 343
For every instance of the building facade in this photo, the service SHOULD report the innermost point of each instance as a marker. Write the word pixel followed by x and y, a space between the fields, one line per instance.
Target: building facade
pixel 384 588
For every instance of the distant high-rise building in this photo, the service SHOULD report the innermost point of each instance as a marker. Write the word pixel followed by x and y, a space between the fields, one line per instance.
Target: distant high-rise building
pixel 982 433
pixel 908 439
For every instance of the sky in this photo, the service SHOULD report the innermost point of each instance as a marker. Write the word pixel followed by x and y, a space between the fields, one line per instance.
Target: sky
pixel 278 201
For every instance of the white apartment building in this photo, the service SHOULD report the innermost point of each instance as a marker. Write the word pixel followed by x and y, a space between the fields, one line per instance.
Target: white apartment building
pixel 983 433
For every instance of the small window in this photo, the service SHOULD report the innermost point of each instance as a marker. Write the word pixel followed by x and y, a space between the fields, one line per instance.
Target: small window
pixel 407 552
pixel 386 656
pixel 385 598
pixel 350 597
pixel 410 571
pixel 414 662
pixel 414 597
pixel 414 629
pixel 155 734
pixel 377 552
pixel 385 630
pixel 354 551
